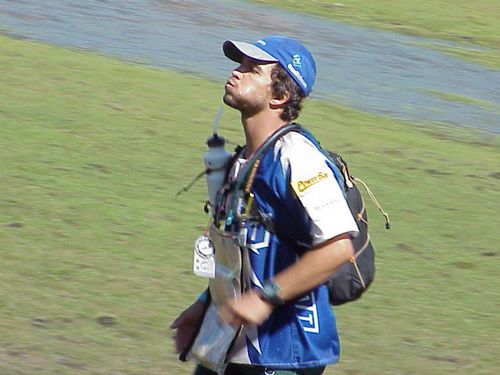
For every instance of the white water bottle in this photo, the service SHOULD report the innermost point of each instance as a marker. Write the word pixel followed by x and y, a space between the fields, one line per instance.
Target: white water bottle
pixel 216 160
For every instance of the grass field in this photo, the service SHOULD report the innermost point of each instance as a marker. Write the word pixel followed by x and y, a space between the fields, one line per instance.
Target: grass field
pixel 96 249
pixel 474 24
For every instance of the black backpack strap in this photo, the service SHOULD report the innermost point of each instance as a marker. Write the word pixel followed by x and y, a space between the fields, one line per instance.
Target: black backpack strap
pixel 269 142
pixel 234 157
pixel 245 179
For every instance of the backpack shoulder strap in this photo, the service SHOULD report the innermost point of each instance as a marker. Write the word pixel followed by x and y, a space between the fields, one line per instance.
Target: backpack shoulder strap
pixel 257 156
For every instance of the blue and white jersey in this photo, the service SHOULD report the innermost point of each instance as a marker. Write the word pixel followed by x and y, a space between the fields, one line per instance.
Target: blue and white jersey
pixel 295 185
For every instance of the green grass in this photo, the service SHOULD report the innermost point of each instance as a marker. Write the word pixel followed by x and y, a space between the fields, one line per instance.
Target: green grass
pixel 464 99
pixel 93 152
pixel 472 22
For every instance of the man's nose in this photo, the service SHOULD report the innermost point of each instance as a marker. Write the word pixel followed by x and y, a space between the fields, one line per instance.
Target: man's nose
pixel 237 72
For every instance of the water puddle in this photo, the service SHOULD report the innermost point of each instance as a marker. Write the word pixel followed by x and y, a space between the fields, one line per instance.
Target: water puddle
pixel 374 71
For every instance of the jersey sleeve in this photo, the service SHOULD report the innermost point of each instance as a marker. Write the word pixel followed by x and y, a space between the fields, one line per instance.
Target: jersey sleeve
pixel 314 185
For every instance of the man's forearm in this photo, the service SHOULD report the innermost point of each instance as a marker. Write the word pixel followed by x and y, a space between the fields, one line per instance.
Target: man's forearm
pixel 311 270
pixel 314 267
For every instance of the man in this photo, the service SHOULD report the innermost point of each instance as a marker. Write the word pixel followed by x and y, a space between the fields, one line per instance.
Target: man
pixel 283 319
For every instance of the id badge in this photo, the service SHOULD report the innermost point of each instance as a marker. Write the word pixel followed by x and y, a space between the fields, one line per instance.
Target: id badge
pixel 204 257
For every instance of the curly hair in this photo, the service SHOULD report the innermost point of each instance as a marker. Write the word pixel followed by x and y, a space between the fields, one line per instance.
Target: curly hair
pixel 282 84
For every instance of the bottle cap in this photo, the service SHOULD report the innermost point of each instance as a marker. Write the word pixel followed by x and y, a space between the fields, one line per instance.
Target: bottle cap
pixel 216 141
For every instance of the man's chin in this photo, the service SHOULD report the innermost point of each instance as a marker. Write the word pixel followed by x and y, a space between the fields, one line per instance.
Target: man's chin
pixel 229 101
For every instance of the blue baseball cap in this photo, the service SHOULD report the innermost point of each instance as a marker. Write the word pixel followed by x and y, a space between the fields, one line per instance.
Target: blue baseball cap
pixel 292 55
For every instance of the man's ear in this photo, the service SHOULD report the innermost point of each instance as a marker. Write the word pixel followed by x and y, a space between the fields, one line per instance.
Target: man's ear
pixel 280 102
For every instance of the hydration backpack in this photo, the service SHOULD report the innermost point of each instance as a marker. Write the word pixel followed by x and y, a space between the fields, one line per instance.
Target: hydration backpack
pixel 352 279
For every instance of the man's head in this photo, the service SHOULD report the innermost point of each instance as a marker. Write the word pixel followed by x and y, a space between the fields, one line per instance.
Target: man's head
pixel 291 66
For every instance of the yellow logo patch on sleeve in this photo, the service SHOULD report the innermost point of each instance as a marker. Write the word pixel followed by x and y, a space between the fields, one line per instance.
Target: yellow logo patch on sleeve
pixel 301 186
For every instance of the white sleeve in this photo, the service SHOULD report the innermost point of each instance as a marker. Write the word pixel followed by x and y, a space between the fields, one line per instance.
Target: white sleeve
pixel 316 187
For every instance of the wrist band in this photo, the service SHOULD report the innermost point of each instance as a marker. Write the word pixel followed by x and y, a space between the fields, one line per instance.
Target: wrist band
pixel 269 293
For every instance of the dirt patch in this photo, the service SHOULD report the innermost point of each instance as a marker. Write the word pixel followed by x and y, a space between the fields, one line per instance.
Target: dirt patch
pixel 437 172
pixel 106 321
pixel 448 359
pixel 490 254
pixel 15 225
pixel 464 265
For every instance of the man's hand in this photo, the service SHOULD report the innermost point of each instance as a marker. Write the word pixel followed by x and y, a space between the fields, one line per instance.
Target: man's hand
pixel 249 308
pixel 186 324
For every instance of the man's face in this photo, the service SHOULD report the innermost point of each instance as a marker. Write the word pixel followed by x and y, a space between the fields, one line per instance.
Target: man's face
pixel 248 89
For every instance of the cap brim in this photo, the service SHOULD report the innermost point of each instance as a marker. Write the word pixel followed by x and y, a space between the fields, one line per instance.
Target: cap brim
pixel 236 50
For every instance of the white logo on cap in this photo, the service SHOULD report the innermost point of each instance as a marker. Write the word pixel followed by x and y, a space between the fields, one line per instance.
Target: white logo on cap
pixel 297 74
pixel 262 42
pixel 296 61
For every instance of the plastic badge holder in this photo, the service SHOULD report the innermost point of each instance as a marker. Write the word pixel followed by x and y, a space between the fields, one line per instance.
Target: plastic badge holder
pixel 204 257
pixel 213 342
pixel 215 337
